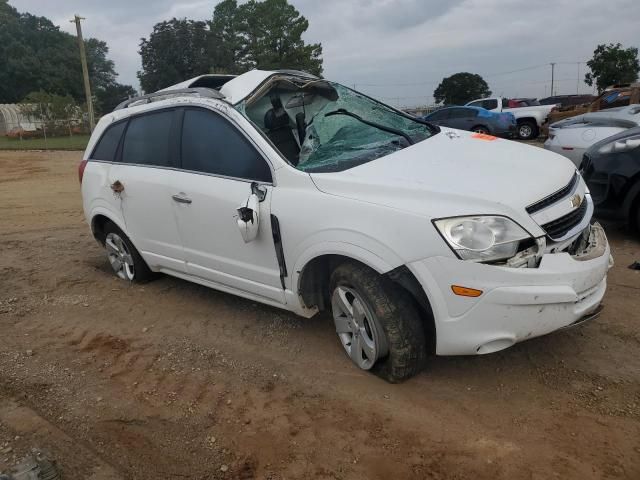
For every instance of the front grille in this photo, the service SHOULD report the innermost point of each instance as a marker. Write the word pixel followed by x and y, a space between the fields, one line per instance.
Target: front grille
pixel 560 226
pixel 553 198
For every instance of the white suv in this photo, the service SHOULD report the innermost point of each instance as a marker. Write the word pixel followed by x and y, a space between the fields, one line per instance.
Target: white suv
pixel 301 193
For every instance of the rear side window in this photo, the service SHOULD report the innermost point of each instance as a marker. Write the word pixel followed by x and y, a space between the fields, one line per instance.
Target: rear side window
pixel 108 144
pixel 147 140
pixel 490 104
pixel 211 144
pixel 439 115
pixel 462 112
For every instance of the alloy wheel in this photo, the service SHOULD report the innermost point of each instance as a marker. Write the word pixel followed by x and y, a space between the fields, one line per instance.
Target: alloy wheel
pixel 119 256
pixel 359 331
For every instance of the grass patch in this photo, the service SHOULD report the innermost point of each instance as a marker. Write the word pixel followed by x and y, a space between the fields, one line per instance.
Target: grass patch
pixel 75 142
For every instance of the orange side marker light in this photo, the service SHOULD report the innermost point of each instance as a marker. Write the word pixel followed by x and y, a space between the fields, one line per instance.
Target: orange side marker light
pixel 465 291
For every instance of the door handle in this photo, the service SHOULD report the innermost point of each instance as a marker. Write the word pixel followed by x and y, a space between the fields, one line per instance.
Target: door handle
pixel 181 198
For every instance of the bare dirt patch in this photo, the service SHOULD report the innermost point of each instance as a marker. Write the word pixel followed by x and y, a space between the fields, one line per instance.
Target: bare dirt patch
pixel 173 380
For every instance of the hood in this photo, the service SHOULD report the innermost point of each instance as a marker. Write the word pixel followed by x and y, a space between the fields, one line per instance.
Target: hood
pixel 454 173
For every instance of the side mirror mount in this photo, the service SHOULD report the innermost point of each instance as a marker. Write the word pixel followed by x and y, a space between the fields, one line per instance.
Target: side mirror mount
pixel 259 191
pixel 249 218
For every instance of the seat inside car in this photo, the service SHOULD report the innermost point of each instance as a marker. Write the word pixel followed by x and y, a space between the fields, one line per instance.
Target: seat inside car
pixel 276 121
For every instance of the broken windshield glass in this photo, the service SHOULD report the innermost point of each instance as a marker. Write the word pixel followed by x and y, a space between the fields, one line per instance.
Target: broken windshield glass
pixel 339 131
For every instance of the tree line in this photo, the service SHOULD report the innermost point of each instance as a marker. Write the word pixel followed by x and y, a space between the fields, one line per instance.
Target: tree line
pixel 40 63
pixel 35 56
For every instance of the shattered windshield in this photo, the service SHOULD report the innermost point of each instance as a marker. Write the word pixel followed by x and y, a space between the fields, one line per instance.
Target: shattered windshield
pixel 326 127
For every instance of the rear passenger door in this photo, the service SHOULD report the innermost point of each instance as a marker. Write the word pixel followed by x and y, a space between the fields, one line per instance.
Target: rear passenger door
pixel 147 157
pixel 218 166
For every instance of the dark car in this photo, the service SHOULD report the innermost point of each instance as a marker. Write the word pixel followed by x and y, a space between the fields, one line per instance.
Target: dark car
pixel 475 119
pixel 611 169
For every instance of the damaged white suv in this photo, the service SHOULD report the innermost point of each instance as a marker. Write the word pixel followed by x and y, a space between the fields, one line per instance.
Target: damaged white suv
pixel 301 193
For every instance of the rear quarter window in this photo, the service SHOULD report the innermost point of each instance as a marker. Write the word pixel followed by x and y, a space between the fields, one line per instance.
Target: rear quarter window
pixel 148 138
pixel 108 144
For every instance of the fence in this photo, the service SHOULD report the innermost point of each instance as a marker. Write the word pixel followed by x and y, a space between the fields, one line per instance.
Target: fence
pixel 20 131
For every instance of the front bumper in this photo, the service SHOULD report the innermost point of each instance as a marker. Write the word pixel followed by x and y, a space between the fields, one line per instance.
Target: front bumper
pixel 516 303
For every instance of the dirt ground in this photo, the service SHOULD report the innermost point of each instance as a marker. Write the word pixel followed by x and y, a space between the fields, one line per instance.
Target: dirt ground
pixel 172 380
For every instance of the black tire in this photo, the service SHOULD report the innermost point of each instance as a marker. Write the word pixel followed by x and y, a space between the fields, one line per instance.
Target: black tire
pixel 396 313
pixel 141 271
pixel 480 129
pixel 528 130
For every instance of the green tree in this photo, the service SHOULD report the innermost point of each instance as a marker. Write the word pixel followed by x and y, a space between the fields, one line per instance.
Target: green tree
pixel 56 114
pixel 176 50
pixel 612 64
pixel 272 31
pixel 36 56
pixel 461 88
pixel 226 42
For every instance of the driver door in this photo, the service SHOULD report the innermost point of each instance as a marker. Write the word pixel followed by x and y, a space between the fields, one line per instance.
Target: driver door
pixel 220 171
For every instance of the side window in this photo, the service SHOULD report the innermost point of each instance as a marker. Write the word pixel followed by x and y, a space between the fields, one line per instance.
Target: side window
pixel 462 112
pixel 477 103
pixel 147 139
pixel 439 115
pixel 490 104
pixel 211 144
pixel 108 143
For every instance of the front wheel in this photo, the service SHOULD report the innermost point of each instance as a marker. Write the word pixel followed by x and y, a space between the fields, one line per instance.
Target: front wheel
pixel 377 323
pixel 124 258
pixel 527 130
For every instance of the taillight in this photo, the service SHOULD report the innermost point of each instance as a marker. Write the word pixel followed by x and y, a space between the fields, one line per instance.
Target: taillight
pixel 81 167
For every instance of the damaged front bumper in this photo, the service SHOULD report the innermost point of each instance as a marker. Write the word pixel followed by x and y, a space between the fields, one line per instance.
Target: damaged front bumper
pixel 516 303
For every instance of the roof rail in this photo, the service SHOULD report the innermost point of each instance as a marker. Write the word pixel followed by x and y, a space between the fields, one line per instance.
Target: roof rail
pixel 181 92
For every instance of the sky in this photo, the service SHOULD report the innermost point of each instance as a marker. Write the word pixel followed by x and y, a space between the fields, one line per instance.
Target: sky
pixel 399 50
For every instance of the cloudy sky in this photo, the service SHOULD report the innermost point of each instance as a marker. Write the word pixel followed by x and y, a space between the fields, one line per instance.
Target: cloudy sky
pixel 399 50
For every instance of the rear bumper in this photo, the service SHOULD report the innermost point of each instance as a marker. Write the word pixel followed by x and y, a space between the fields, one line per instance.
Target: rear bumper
pixel 516 303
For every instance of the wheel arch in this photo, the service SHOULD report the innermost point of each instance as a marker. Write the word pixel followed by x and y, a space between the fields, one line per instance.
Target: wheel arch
pixel 99 218
pixel 313 286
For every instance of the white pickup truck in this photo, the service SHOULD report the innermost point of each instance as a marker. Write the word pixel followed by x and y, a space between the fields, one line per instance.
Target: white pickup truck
pixel 530 119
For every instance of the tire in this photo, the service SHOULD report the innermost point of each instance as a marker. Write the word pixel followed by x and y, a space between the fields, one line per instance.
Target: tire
pixel 124 258
pixel 480 129
pixel 528 130
pixel 390 319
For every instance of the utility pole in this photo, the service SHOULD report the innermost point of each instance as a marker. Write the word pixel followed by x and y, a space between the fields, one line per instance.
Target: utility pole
pixel 553 67
pixel 85 71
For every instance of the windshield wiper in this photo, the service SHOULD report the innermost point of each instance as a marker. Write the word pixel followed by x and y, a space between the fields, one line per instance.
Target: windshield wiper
pixel 342 111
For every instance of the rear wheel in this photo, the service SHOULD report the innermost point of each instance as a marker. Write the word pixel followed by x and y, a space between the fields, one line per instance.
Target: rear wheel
pixel 124 259
pixel 377 323
pixel 527 130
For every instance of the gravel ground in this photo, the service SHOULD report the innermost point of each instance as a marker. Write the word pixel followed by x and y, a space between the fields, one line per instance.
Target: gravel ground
pixel 173 380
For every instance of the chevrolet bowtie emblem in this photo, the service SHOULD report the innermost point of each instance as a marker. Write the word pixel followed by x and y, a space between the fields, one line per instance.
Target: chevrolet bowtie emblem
pixel 576 201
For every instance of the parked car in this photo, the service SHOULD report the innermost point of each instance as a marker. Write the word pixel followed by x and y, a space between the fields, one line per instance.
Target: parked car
pixel 529 119
pixel 475 119
pixel 303 194
pixel 573 136
pixel 563 101
pixel 611 169
pixel 614 96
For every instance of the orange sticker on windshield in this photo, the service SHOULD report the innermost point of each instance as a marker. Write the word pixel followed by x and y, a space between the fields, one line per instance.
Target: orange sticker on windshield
pixel 484 136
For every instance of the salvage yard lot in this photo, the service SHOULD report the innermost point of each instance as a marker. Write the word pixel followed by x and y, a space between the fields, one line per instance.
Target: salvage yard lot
pixel 173 380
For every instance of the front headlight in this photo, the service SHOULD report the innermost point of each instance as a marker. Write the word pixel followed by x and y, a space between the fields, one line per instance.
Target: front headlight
pixel 482 238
